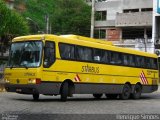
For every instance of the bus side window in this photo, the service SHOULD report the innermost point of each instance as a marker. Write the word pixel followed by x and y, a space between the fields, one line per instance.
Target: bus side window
pixel 125 60
pixel 148 63
pixel 84 53
pixel 131 60
pixel 49 53
pixel 67 51
pixel 154 63
pixel 116 58
pixel 105 56
pixel 88 54
pixel 97 55
pixel 142 62
pixel 119 58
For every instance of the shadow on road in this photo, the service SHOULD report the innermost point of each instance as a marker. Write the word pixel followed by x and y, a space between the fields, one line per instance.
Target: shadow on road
pixel 81 99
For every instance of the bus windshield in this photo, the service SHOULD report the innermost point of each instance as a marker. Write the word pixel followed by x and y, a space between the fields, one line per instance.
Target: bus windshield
pixel 25 54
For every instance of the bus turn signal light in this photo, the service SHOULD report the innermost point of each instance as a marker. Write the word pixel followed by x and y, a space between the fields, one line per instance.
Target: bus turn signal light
pixel 34 81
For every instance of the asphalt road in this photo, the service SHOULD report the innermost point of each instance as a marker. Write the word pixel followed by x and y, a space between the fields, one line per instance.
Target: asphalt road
pixel 79 105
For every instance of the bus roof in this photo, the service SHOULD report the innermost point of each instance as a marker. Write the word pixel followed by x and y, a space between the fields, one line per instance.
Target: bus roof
pixel 85 41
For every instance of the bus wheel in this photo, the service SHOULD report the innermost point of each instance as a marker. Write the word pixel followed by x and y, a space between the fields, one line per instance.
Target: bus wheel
pixel 64 91
pixel 35 96
pixel 111 96
pixel 125 92
pixel 137 92
pixel 97 96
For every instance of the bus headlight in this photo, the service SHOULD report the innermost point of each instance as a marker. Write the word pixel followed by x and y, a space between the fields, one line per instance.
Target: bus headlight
pixel 34 81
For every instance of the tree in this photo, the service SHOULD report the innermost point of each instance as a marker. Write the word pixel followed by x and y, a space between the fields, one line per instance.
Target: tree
pixel 37 10
pixel 12 24
pixel 71 17
pixel 66 16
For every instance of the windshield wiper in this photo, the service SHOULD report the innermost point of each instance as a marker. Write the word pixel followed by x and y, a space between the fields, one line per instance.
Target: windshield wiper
pixel 25 66
pixel 11 66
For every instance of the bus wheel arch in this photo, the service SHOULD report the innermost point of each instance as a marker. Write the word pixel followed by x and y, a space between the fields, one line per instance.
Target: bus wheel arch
pixel 67 89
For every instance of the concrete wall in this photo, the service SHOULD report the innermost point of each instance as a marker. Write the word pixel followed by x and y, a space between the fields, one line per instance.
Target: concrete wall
pixel 132 4
pixel 117 6
pixel 112 7
pixel 116 18
pixel 134 19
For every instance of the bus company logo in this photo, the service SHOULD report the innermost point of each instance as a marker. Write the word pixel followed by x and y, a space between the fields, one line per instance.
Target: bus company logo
pixel 29 74
pixel 143 78
pixel 77 78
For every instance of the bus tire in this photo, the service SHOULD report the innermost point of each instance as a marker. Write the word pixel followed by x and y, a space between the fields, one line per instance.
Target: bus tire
pixel 35 96
pixel 97 96
pixel 125 92
pixel 64 91
pixel 136 92
pixel 111 96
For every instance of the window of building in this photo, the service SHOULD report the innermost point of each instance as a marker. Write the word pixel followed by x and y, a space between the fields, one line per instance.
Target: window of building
pixel 100 33
pixel 132 33
pixel 130 10
pixel 101 15
pixel 146 9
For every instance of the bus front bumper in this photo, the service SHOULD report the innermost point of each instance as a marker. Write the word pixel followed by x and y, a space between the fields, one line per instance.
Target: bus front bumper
pixel 43 88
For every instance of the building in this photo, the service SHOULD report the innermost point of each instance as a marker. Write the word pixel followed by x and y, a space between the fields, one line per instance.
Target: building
pixel 156 25
pixel 10 3
pixel 18 5
pixel 125 22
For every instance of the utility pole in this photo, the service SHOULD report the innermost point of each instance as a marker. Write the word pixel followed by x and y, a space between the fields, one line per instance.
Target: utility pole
pixel 47 24
pixel 50 28
pixel 92 19
pixel 145 39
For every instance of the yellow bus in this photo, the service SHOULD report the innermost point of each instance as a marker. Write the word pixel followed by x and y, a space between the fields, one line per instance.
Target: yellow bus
pixel 70 64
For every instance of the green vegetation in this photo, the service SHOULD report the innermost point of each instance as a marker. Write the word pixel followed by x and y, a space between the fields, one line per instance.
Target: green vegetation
pixel 71 17
pixel 66 16
pixel 36 10
pixel 11 24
